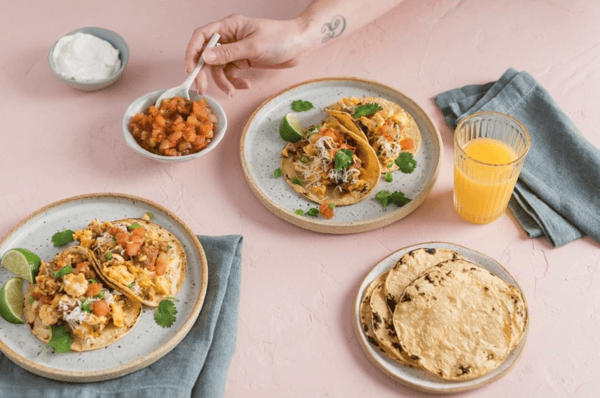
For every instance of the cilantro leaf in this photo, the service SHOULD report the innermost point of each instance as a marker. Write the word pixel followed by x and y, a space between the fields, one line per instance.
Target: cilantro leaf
pixel 86 305
pixel 165 313
pixel 397 198
pixel 343 159
pixel 383 197
pixel 301 106
pixel 389 177
pixel 108 255
pixel 61 339
pixel 296 181
pixel 67 269
pixel 406 162
pixel 277 173
pixel 149 214
pixel 332 206
pixel 313 212
pixel 132 284
pixel 133 226
pixel 366 110
pixel 300 212
pixel 62 238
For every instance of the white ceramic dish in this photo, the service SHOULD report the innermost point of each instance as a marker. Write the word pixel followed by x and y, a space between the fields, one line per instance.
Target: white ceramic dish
pixel 146 101
pixel 113 38
pixel 147 341
pixel 261 148
pixel 417 378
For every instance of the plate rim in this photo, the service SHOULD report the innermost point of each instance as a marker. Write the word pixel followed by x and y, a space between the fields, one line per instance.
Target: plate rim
pixel 348 227
pixel 473 384
pixel 139 363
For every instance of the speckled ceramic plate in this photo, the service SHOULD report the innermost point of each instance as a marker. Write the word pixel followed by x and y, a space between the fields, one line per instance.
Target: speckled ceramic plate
pixel 146 342
pixel 261 148
pixel 418 378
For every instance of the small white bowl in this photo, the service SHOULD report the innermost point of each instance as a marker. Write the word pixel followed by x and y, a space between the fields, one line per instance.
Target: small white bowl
pixel 113 38
pixel 146 101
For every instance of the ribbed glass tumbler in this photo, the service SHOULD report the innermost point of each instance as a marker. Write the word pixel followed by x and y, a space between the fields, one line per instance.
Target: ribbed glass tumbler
pixel 489 153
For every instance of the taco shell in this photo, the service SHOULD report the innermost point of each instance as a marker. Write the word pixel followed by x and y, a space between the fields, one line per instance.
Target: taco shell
pixel 308 165
pixel 389 131
pixel 148 268
pixel 58 301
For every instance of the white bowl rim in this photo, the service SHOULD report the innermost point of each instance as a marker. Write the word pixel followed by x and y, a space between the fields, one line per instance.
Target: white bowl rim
pixel 132 143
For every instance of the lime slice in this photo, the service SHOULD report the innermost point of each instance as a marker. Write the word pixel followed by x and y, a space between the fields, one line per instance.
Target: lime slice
pixel 290 129
pixel 11 300
pixel 22 262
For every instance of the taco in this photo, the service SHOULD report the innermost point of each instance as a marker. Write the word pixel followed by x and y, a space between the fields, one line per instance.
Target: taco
pixel 67 291
pixel 331 165
pixel 137 257
pixel 387 127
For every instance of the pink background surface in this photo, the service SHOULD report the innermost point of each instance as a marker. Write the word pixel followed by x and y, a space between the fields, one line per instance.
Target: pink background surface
pixel 296 337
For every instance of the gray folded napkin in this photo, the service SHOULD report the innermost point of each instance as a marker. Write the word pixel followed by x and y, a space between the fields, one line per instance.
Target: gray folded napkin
pixel 558 192
pixel 196 367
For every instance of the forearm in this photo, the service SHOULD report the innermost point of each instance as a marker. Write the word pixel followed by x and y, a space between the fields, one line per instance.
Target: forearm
pixel 325 20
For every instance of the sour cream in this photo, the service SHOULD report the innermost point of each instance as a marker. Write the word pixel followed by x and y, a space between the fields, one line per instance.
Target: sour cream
pixel 85 58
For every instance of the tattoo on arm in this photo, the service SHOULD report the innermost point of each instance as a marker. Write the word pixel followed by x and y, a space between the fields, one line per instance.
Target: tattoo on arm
pixel 334 28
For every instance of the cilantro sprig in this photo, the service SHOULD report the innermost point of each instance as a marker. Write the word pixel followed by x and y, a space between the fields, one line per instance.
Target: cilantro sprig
pixel 397 198
pixel 67 269
pixel 302 106
pixel 406 162
pixel 343 159
pixel 366 110
pixel 165 313
pixel 61 340
pixel 62 238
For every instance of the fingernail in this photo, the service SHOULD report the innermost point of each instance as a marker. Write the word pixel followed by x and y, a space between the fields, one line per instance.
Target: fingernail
pixel 209 56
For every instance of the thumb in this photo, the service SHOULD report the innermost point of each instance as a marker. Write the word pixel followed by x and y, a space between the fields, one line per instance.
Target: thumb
pixel 223 54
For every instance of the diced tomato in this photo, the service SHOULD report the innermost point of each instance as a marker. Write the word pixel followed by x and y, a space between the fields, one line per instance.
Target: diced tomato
pixel 326 210
pixel 100 308
pixel 93 289
pixel 407 144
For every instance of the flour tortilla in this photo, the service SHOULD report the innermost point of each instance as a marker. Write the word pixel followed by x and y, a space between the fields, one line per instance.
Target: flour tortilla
pixel 110 334
pixel 383 325
pixel 366 126
pixel 411 265
pixel 370 165
pixel 451 318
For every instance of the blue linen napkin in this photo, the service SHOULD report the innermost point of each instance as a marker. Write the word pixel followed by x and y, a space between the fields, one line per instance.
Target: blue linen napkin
pixel 196 367
pixel 558 192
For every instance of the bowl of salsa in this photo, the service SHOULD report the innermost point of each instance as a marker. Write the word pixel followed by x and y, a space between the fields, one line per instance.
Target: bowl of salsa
pixel 177 131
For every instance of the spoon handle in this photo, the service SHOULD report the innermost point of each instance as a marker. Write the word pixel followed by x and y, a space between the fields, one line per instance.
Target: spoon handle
pixel 190 79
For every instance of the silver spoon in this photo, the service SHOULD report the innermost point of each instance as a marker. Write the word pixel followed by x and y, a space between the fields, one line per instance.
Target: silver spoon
pixel 184 89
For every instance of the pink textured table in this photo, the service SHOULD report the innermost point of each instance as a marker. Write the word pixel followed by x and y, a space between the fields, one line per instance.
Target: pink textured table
pixel 296 337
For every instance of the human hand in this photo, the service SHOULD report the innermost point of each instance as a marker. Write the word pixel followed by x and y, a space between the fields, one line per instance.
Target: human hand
pixel 245 42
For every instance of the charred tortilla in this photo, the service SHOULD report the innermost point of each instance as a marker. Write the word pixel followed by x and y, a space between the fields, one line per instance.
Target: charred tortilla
pixel 331 165
pixel 390 131
pixel 138 257
pixel 94 315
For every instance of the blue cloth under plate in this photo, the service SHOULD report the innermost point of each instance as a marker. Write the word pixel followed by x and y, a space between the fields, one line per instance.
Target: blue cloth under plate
pixel 558 192
pixel 197 367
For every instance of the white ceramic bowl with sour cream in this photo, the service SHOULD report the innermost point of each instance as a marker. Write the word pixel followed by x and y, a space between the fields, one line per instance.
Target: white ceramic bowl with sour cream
pixel 146 101
pixel 107 35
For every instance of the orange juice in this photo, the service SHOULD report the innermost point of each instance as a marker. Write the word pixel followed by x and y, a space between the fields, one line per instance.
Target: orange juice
pixel 484 179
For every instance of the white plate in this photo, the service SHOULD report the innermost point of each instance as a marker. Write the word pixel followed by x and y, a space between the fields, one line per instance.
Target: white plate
pixel 261 148
pixel 146 342
pixel 418 378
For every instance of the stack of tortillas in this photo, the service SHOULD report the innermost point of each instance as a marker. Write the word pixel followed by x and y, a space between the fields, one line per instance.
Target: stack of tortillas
pixel 437 311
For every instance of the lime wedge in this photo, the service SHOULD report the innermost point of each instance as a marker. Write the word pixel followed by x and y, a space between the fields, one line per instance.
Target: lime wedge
pixel 290 129
pixel 11 300
pixel 22 262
